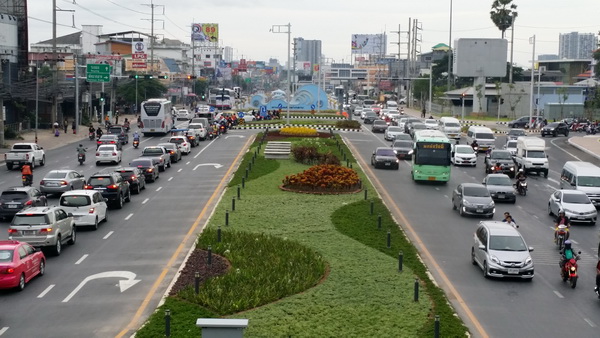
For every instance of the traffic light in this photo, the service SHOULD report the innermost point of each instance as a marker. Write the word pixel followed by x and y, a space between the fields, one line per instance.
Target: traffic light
pixel 148 76
pixel 163 76
pixel 189 77
pixel 102 97
pixel 203 97
pixel 134 76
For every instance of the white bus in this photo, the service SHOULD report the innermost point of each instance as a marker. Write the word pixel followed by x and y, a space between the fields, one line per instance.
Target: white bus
pixel 221 98
pixel 156 116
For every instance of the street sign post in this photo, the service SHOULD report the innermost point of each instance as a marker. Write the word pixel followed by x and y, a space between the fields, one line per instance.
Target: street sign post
pixel 98 73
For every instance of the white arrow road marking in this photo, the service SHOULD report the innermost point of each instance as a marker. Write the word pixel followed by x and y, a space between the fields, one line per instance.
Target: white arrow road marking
pixel 81 259
pixel 128 217
pixel 145 201
pixel 108 235
pixel 123 284
pixel 216 165
pixel 50 287
pixel 238 136
pixel 158 189
pixel 3 330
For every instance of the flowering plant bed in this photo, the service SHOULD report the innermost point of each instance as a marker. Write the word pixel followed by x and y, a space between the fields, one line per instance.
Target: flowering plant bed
pixel 299 131
pixel 324 178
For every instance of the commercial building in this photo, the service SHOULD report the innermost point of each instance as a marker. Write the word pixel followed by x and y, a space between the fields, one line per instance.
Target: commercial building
pixel 577 45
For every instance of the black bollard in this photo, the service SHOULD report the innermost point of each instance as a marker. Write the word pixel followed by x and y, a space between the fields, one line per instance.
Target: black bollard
pixel 246 172
pixel 238 192
pixel 244 182
pixel 372 207
pixel 436 327
pixel 379 222
pixel 226 217
pixel 219 234
pixel 400 260
pixel 197 282
pixel 168 323
pixel 366 192
pixel 250 166
pixel 233 204
pixel 209 258
pixel 389 239
pixel 416 289
pixel 348 163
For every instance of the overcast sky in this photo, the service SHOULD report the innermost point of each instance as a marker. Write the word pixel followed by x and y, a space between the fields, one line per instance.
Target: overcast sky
pixel 244 24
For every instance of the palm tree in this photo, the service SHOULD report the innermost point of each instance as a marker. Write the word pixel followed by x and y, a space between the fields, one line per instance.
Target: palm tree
pixel 502 14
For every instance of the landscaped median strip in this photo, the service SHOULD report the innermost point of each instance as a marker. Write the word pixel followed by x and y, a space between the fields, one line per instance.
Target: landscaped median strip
pixel 364 294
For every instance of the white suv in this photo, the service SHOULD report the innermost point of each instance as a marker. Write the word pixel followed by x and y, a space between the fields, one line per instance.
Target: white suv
pixel 43 227
pixel 87 206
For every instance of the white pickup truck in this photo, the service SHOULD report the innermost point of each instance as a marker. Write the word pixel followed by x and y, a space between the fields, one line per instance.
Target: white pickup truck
pixel 20 153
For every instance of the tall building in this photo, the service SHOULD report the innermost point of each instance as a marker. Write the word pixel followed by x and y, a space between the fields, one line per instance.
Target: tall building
pixel 307 50
pixel 577 46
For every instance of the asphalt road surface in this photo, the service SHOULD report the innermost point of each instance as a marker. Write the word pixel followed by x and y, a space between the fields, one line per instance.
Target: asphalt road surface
pixel 545 307
pixel 97 286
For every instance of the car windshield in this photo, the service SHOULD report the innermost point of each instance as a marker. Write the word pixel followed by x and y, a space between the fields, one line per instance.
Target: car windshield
pixel 476 192
pixel 385 152
pixel 25 219
pixel 168 145
pixel 485 136
pixel 56 174
pixel 195 126
pixel 403 144
pixel 499 180
pixel 13 195
pixel 6 256
pixel 114 130
pixel 536 154
pixel 106 148
pixel 395 129
pixel 576 199
pixel 501 155
pixel 430 122
pixel 465 150
pixel 99 181
pixel 452 124
pixel 140 163
pixel 74 201
pixel 552 125
pixel 516 133
pixel 176 140
pixel 588 181
pixel 512 144
pixel 371 115
pixel 419 126
pixel 151 151
pixel 379 122
pixel 126 174
pixel 507 243
pixel 108 138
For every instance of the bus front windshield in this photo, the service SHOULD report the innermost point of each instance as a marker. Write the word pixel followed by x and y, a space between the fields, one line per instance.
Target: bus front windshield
pixel 433 154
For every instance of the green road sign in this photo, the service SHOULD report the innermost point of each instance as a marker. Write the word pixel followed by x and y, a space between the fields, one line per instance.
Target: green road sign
pixel 98 73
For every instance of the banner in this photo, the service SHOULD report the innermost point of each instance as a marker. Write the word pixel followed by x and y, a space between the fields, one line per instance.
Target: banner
pixel 369 44
pixel 205 32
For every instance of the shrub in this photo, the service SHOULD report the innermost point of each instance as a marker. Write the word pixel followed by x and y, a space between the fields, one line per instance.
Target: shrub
pixel 298 131
pixel 324 178
pixel 311 155
pixel 347 124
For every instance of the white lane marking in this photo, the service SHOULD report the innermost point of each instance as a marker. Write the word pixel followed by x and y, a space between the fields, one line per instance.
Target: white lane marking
pixel 203 149
pixel 3 330
pixel 180 169
pixel 574 241
pixel 81 259
pixel 108 235
pixel 145 201
pixel 447 196
pixel 196 167
pixel 438 189
pixel 589 322
pixel 170 178
pixel 553 180
pixel 520 207
pixel 558 294
pixel 188 162
pixel 551 187
pixel 536 216
pixel 128 217
pixel 158 189
pixel 50 287
pixel 551 227
pixel 559 147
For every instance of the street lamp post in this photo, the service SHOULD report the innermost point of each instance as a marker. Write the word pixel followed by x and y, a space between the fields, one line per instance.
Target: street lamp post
pixel 278 29
pixel 37 91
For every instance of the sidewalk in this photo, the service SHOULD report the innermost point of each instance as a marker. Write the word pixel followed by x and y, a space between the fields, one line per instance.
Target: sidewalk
pixel 48 141
pixel 588 144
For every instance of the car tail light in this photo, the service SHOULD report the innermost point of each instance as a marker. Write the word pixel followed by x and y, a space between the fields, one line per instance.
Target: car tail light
pixel 30 202
pixel 150 170
pixel 171 152
pixel 8 271
pixel 88 187
pixel 112 186
pixel 47 230
pixel 99 142
pixel 134 178
pixel 27 156
pixel 63 183
pixel 112 142
pixel 92 210
pixel 42 182
pixel 97 154
pixel 12 231
pixel 184 144
pixel 114 154
pixel 162 125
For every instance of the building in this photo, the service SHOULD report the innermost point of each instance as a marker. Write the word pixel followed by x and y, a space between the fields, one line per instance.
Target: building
pixel 228 54
pixel 547 57
pixel 307 51
pixel 577 45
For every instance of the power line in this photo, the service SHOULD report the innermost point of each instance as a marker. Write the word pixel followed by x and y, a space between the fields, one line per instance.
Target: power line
pixel 129 9
pixel 102 16
pixel 171 21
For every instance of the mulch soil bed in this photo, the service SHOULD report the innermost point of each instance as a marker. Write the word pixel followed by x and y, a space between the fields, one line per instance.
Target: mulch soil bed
pixel 197 262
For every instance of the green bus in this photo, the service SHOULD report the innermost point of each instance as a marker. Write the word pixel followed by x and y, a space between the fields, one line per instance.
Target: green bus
pixel 431 157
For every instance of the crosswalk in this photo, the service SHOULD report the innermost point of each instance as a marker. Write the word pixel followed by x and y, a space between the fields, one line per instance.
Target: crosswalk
pixel 549 255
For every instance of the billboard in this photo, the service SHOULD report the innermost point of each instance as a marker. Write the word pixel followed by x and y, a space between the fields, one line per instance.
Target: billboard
pixel 369 44
pixel 480 57
pixel 205 32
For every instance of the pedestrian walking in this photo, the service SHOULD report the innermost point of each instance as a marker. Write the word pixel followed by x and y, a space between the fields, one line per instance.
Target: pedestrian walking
pixel 423 113
pixel 56 129
pixel 74 127
pixel 65 125
pixel 116 117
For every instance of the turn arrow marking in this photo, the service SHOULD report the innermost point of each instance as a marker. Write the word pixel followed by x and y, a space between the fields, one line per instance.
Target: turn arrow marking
pixel 123 284
pixel 216 165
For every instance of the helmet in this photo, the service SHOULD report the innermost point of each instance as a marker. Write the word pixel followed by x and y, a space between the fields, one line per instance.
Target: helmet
pixel 567 244
pixel 561 212
pixel 81 145
pixel 520 170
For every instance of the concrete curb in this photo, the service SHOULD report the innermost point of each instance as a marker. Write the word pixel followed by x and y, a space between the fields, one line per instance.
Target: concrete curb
pixel 584 149
pixel 275 126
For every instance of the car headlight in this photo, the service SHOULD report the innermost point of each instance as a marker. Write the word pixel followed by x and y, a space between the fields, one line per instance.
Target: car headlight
pixel 512 168
pixel 494 259
pixel 490 205
pixel 467 203
pixel 528 261
pixel 410 152
pixel 396 152
pixel 569 210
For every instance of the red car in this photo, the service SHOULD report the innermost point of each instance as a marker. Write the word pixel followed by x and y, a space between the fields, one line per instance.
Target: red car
pixel 19 263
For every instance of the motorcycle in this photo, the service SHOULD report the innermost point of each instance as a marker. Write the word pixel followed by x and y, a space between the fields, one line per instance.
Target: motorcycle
pixel 561 236
pixel 27 180
pixel 222 129
pixel 81 158
pixel 92 136
pixel 126 125
pixel 136 143
pixel 522 187
pixel 568 271
pixel 591 130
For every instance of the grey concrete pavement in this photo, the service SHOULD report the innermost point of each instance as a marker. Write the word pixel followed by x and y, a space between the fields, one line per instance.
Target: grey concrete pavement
pixel 588 144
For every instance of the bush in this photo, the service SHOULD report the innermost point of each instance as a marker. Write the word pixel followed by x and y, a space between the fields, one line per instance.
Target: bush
pixel 298 131
pixel 324 178
pixel 311 155
pixel 9 134
pixel 347 124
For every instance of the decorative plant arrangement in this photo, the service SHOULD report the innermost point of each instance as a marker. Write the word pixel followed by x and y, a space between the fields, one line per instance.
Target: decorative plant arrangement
pixel 324 178
pixel 311 155
pixel 298 131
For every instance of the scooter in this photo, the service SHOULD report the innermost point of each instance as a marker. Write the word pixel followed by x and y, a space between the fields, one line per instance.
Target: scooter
pixel 569 271
pixel 27 180
pixel 222 129
pixel 561 236
pixel 81 158
pixel 136 143
pixel 92 136
pixel 522 187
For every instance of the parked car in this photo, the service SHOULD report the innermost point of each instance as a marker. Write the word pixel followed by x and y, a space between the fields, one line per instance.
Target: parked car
pixel 515 133
pixel 555 128
pixel 108 153
pixel 46 227
pixel 112 186
pixel 391 132
pixel 19 264
pixel 575 203
pixel 148 166
pixel 500 251
pixel 403 149
pixel 500 187
pixel 463 154
pixel 385 158
pixel 87 206
pixel 59 181
pixel 13 200
pixel 379 126
pixel 135 176
pixel 473 199
pixel 174 150
pixel 109 139
pixel 502 157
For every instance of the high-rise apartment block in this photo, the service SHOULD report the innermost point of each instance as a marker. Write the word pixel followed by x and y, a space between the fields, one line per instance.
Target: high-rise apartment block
pixel 577 46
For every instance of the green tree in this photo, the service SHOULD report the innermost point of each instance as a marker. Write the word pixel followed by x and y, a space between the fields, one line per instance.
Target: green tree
pixel 514 98
pixel 420 89
pixel 596 56
pixel 503 13
pixel 201 87
pixel 563 96
pixel 146 88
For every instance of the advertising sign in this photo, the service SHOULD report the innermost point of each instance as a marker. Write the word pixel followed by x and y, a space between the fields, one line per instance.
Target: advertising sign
pixel 205 32
pixel 369 44
pixel 139 53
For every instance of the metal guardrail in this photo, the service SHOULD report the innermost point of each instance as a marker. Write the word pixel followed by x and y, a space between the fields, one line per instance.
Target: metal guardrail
pixel 18 127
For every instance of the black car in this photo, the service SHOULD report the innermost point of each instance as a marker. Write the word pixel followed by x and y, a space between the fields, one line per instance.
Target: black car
pixel 502 157
pixel 119 131
pixel 370 118
pixel 148 166
pixel 385 158
pixel 522 122
pixel 135 177
pixel 12 200
pixel 555 128
pixel 109 139
pixel 112 186
pixel 515 133
pixel 403 149
pixel 379 126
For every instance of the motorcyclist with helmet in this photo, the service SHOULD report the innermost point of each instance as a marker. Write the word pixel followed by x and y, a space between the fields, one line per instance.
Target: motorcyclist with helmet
pixel 475 145
pixel 99 132
pixel 81 151
pixel 520 178
pixel 561 219
pixel 566 254
pixel 27 173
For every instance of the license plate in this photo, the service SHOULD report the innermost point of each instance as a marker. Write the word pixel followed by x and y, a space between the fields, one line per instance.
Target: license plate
pixel 29 232
pixel 13 206
pixel 580 217
pixel 152 130
pixel 513 271
pixel 388 163
pixel 479 210
pixel 501 196
pixel 105 155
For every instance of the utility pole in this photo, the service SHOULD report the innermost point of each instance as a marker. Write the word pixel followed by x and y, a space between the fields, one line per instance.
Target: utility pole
pixel 152 6
pixel 532 41
pixel 1 109
pixel 512 48
pixel 76 59
pixel 450 50
pixel 407 71
pixel 55 62
pixel 400 43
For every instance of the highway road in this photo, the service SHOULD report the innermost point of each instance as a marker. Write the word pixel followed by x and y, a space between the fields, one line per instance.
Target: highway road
pixel 97 285
pixel 545 307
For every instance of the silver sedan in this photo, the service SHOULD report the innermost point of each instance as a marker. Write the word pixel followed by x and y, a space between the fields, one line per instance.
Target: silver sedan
pixel 576 205
pixel 59 181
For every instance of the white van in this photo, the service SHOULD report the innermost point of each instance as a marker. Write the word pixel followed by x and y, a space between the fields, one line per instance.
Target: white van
pixel 485 137
pixel 531 155
pixel 582 176
pixel 451 127
pixel 392 105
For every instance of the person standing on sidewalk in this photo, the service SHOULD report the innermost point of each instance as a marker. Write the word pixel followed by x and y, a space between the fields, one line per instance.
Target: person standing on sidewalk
pixel 116 117
pixel 65 125
pixel 56 126
pixel 74 127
